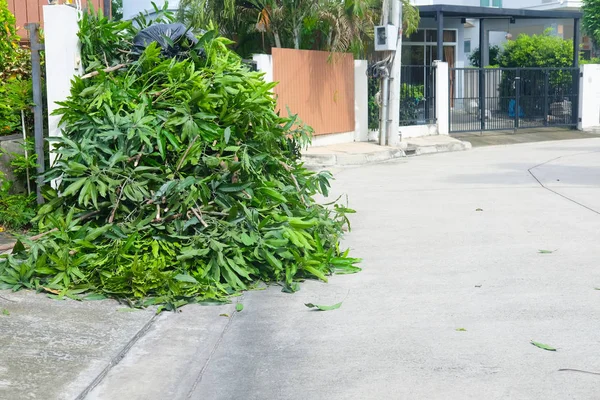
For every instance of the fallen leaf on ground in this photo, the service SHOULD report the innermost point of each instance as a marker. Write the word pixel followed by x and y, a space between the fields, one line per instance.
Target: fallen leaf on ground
pixel 479 209
pixel 239 307
pixel 5 312
pixel 324 308
pixel 546 251
pixel 543 346
pixel 461 330
pixel 224 315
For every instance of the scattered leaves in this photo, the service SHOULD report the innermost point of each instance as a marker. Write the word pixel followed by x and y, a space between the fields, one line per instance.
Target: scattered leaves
pixel 323 308
pixel 5 312
pixel 546 251
pixel 479 209
pixel 461 330
pixel 543 346
pixel 224 315
pixel 239 307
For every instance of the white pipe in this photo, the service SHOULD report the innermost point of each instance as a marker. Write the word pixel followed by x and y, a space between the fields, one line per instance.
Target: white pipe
pixel 384 121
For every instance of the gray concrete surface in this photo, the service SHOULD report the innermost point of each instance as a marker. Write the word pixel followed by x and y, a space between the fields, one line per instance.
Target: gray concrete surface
pixel 494 138
pixel 51 349
pixel 432 265
pixel 360 153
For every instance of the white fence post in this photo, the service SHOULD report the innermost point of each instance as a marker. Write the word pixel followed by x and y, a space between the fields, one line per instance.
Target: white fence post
pixel 361 101
pixel 264 63
pixel 442 102
pixel 63 60
pixel 589 98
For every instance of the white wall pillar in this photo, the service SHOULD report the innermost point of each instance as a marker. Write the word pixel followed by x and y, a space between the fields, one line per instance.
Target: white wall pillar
pixel 361 101
pixel 63 60
pixel 589 96
pixel 442 101
pixel 264 63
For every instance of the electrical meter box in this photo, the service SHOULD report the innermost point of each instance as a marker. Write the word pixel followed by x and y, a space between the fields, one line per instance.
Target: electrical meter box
pixel 386 37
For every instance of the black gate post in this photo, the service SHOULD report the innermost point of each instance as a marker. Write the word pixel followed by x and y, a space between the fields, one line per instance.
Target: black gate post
pixel 517 95
pixel 546 89
pixel 575 90
pixel 38 116
pixel 481 75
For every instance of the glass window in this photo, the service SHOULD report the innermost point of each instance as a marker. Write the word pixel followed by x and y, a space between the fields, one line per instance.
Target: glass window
pixel 467 46
pixel 449 36
pixel 413 55
pixel 431 35
pixel 497 3
pixel 484 3
pixel 418 36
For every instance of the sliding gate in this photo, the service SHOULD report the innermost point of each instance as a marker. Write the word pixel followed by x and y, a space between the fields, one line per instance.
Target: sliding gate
pixel 488 99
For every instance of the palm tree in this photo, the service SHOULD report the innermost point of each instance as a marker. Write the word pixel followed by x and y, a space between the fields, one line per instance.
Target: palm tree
pixel 346 25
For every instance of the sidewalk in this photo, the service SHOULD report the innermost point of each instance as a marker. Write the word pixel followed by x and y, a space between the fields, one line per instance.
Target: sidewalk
pixel 358 153
pixel 52 349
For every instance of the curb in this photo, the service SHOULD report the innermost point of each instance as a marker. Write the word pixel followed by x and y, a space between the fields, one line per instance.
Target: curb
pixel 438 148
pixel 347 159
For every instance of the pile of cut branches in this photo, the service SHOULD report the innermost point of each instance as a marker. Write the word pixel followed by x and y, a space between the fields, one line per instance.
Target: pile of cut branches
pixel 178 183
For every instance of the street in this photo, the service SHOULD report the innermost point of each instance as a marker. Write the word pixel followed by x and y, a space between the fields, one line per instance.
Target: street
pixel 467 258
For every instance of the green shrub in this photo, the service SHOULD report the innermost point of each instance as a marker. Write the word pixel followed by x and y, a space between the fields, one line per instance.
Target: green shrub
pixel 494 54
pixel 16 210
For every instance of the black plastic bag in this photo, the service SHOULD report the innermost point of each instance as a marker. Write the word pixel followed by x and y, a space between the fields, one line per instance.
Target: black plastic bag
pixel 173 39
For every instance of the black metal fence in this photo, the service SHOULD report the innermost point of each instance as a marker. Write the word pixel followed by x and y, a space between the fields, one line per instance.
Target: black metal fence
pixel 417 96
pixel 512 98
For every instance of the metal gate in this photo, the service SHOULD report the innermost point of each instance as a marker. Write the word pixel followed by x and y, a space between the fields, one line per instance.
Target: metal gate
pixel 488 99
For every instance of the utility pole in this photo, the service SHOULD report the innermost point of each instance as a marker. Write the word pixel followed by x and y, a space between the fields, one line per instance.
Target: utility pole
pixel 393 138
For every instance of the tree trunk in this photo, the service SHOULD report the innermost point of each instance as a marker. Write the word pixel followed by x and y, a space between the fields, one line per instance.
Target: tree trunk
pixel 297 30
pixel 277 39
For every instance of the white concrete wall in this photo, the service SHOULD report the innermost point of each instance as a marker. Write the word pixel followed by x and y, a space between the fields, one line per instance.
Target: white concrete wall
pixel 442 101
pixel 361 101
pixel 543 5
pixel 264 63
pixel 63 59
pixel 131 8
pixel 589 98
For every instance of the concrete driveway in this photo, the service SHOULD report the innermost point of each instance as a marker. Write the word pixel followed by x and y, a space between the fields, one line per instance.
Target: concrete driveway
pixel 452 292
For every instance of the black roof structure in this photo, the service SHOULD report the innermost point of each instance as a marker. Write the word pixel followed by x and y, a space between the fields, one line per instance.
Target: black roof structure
pixel 489 12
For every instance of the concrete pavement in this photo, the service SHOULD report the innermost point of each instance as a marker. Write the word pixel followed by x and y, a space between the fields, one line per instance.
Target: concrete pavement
pixel 449 242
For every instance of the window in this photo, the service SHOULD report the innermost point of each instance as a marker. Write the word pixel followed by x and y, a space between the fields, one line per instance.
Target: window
pixel 467 46
pixel 491 3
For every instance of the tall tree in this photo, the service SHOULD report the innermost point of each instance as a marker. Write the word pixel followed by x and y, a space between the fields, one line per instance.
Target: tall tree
pixel 591 19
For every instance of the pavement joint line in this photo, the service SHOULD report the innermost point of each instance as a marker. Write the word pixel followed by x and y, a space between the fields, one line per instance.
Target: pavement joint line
pixel 117 359
pixel 530 170
pixel 212 353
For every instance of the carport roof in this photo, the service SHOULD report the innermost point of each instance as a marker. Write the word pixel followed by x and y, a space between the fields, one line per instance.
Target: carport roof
pixel 490 12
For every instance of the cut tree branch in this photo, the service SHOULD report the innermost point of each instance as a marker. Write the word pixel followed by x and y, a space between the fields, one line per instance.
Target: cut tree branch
pixel 109 69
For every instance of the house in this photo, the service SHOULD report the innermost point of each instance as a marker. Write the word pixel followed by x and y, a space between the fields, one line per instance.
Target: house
pixel 31 11
pixel 497 31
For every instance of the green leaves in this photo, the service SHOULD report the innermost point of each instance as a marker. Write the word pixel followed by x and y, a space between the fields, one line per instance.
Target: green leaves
pixel 179 183
pixel 543 346
pixel 323 308
pixel 239 307
pixel 546 251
